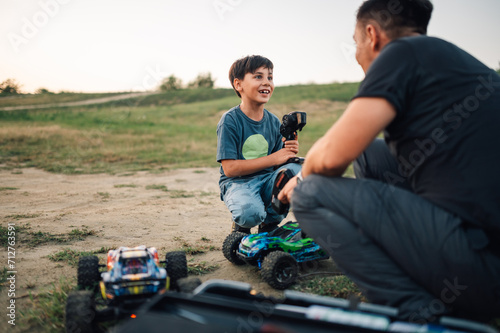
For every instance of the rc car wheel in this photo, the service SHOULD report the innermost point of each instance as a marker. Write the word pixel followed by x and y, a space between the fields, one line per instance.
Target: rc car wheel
pixel 187 285
pixel 88 272
pixel 176 265
pixel 279 270
pixel 81 312
pixel 230 246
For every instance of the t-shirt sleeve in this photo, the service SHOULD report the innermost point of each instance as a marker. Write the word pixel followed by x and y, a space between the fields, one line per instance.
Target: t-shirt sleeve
pixel 278 143
pixel 391 76
pixel 227 139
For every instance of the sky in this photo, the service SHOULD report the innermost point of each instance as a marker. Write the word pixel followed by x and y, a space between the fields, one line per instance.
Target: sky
pixel 131 45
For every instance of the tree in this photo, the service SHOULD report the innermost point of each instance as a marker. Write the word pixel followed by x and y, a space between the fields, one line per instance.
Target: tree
pixel 10 87
pixel 171 83
pixel 43 91
pixel 203 80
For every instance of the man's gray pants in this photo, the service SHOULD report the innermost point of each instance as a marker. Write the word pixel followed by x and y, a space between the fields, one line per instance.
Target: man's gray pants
pixel 400 249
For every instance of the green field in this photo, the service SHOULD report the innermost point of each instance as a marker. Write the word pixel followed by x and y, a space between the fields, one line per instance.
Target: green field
pixel 157 132
pixel 153 133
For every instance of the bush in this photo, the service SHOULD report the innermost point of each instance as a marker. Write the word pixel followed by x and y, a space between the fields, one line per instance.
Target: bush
pixel 40 91
pixel 203 80
pixel 10 87
pixel 171 83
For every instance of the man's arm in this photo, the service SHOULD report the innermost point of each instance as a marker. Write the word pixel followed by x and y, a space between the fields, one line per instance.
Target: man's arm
pixel 363 120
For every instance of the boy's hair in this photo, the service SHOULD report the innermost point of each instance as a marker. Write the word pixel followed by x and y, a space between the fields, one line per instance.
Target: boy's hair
pixel 397 17
pixel 248 64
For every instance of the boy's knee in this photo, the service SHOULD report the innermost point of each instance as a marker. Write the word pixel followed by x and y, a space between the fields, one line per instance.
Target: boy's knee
pixel 294 167
pixel 249 215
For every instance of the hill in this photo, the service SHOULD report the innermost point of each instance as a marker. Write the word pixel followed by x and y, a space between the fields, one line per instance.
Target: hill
pixel 149 132
pixel 80 180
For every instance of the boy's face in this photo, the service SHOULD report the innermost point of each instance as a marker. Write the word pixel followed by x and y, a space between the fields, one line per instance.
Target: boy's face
pixel 256 87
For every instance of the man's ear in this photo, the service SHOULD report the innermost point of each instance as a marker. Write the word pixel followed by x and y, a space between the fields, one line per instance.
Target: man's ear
pixel 373 34
pixel 378 37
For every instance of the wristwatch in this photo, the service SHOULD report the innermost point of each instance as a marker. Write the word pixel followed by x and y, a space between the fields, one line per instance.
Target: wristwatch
pixel 299 177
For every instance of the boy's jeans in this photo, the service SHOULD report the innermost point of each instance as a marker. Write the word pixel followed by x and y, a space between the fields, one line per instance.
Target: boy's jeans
pixel 249 200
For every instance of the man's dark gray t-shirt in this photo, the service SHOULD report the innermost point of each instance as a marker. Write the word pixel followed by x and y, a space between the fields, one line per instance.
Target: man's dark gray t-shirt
pixel 446 134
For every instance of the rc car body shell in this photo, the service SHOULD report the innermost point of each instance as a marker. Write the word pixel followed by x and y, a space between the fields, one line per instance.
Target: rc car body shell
pixel 133 272
pixel 288 238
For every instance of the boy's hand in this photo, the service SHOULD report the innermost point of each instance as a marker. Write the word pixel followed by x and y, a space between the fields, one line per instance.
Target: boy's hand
pixel 293 145
pixel 290 149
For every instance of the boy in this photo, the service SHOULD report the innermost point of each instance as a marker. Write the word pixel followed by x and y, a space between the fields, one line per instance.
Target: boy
pixel 250 147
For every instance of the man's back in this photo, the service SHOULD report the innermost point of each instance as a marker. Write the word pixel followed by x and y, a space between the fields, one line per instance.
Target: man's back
pixel 445 135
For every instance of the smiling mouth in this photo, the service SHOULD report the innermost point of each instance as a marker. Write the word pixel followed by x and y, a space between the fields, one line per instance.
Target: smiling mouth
pixel 265 91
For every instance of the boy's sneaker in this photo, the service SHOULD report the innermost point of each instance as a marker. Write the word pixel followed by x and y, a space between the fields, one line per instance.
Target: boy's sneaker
pixel 237 228
pixel 263 227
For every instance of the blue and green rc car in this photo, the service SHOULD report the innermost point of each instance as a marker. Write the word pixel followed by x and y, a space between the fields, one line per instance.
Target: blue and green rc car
pixel 276 253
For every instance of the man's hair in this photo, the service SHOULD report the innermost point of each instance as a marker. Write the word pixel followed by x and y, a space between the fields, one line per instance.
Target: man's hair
pixel 397 17
pixel 248 64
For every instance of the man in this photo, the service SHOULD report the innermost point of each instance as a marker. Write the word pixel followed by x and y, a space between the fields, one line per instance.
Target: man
pixel 419 227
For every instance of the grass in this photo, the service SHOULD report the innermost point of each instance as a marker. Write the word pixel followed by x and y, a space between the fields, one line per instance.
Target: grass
pixel 7 188
pixel 195 249
pixel 3 277
pixel 157 187
pixel 153 135
pixel 22 216
pixel 71 257
pixel 334 286
pixel 45 311
pixel 33 239
pixel 125 185
pixel 10 231
pixel 174 194
pixel 201 268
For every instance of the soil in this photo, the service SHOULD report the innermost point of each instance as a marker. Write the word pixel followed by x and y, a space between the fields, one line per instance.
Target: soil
pixel 168 210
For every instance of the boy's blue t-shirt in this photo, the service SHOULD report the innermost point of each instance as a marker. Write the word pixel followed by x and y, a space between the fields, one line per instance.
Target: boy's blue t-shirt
pixel 241 138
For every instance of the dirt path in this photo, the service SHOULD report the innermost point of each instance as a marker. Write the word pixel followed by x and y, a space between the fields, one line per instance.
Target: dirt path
pixel 76 103
pixel 167 210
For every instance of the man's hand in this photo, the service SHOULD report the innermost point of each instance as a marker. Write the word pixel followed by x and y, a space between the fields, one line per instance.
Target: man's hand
pixel 285 195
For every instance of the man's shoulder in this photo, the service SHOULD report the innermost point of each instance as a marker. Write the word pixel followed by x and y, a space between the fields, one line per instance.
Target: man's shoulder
pixel 417 44
pixel 420 39
pixel 414 52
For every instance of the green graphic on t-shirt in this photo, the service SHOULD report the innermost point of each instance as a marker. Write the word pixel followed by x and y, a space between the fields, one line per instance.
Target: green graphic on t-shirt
pixel 255 146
